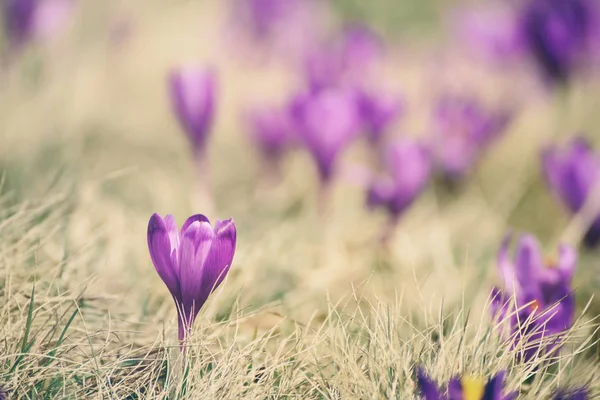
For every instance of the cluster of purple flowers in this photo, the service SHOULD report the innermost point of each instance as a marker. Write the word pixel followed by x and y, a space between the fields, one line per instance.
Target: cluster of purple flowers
pixel 560 38
pixel 335 104
pixel 476 388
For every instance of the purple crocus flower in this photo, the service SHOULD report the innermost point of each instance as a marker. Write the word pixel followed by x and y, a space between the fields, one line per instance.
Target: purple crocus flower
pixel 378 111
pixel 193 91
pixel 409 165
pixel 573 174
pixel 325 122
pixel 464 129
pixel 558 34
pixel 271 130
pixel 464 388
pixel 346 61
pixel 192 262
pixel 25 20
pixel 19 16
pixel 571 394
pixel 545 304
pixel 261 17
pixel 491 31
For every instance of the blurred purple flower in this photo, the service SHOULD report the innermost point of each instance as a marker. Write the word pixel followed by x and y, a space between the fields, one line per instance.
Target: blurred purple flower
pixel 545 304
pixel 325 122
pixel 573 174
pixel 378 111
pixel 261 17
pixel 465 388
pixel 491 31
pixel 346 61
pixel 271 130
pixel 19 16
pixel 25 20
pixel 572 394
pixel 559 35
pixel 192 262
pixel 193 91
pixel 409 165
pixel 464 129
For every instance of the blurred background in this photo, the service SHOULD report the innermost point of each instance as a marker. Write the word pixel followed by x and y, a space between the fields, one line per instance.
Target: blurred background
pixel 92 138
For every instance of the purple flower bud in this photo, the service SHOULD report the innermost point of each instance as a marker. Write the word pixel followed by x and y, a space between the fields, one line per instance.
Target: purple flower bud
pixel 573 174
pixel 464 129
pixel 378 112
pixel 325 122
pixel 409 165
pixel 193 91
pixel 542 289
pixel 271 130
pixel 192 262
pixel 558 35
pixel 465 387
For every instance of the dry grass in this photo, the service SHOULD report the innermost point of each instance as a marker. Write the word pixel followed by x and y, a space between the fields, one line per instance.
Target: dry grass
pixel 313 308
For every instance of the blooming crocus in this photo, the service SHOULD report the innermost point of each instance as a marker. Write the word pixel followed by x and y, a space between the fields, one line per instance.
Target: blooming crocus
pixel 193 92
pixel 573 175
pixel 408 167
pixel 378 112
pixel 559 35
pixel 325 122
pixel 25 20
pixel 571 394
pixel 464 128
pixel 544 303
pixel 464 388
pixel 271 130
pixel 192 262
pixel 346 61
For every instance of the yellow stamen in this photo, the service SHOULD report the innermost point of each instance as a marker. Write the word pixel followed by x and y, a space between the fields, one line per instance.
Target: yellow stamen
pixel 550 262
pixel 472 388
pixel 535 305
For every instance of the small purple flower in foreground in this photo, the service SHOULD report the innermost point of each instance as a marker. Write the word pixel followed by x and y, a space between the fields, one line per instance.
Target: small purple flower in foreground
pixel 572 394
pixel 192 262
pixel 464 129
pixel 559 35
pixel 271 130
pixel 325 122
pixel 573 174
pixel 193 91
pixel 409 165
pixel 378 112
pixel 545 304
pixel 464 388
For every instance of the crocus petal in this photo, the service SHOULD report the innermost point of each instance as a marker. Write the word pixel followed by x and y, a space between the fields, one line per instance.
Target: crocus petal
pixel 427 386
pixel 528 264
pixel 505 265
pixel 455 391
pixel 191 220
pixel 574 394
pixel 567 261
pixel 160 247
pixel 194 249
pixel 493 389
pixel 221 255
